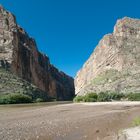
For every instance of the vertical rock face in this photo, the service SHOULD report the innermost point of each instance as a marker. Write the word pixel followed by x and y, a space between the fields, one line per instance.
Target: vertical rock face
pixel 114 65
pixel 19 53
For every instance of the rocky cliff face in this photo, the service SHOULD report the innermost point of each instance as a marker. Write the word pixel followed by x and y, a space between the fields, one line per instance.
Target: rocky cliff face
pixel 19 53
pixel 115 63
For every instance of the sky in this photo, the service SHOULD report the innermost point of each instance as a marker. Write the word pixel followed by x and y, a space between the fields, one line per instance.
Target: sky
pixel 68 30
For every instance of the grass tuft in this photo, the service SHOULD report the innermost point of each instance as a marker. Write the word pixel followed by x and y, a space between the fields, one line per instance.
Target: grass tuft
pixel 136 122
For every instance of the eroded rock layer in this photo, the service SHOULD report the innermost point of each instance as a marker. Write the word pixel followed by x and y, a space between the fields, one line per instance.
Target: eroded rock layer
pixel 19 53
pixel 114 65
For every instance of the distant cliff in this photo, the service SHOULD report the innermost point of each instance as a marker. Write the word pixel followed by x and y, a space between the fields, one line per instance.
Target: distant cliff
pixel 19 54
pixel 115 63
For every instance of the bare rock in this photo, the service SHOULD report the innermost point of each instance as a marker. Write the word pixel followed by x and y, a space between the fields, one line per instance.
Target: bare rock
pixel 130 134
pixel 20 54
pixel 114 64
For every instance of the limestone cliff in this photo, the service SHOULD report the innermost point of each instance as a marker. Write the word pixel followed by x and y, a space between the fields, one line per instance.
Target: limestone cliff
pixel 114 65
pixel 19 54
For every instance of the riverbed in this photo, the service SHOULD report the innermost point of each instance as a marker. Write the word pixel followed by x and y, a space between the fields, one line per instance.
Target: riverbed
pixel 66 120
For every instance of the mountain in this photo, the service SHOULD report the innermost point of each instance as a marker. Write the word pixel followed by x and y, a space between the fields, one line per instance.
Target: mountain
pixel 20 56
pixel 114 65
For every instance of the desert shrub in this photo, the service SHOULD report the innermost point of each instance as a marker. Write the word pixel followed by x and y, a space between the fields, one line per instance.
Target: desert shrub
pixel 133 96
pixel 15 98
pixel 86 99
pixel 90 97
pixel 103 96
pixel 107 96
pixel 78 99
pixel 116 96
pixel 136 121
pixel 38 100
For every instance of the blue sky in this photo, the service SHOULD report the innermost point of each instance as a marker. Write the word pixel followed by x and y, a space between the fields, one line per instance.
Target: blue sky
pixel 68 30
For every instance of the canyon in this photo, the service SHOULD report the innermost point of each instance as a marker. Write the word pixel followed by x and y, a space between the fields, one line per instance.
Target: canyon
pixel 20 56
pixel 114 65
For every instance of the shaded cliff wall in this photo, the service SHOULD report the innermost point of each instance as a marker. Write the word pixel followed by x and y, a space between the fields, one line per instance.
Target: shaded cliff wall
pixel 19 53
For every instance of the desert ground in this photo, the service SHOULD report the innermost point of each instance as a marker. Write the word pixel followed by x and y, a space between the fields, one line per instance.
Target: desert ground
pixel 71 121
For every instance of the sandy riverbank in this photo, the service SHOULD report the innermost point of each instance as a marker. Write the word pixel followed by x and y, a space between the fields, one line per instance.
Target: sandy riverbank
pixel 83 121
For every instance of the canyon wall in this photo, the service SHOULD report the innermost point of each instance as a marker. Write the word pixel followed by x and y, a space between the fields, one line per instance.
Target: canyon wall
pixel 19 54
pixel 114 65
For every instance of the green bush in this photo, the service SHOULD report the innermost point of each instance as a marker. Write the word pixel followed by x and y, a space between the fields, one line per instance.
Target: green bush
pixel 116 96
pixel 90 97
pixel 104 96
pixel 78 99
pixel 107 96
pixel 101 97
pixel 133 97
pixel 38 100
pixel 86 99
pixel 15 98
